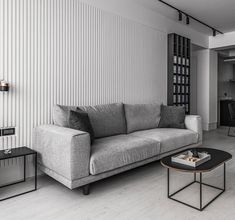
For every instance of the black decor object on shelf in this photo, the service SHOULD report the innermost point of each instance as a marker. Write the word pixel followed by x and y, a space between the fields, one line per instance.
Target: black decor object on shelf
pixel 179 71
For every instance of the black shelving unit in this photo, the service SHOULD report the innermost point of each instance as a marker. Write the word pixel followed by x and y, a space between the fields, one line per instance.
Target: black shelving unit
pixel 179 71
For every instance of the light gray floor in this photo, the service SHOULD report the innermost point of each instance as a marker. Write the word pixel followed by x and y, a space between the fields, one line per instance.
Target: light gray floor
pixel 137 194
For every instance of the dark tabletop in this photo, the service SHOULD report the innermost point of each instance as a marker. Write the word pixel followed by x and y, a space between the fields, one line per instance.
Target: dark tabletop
pixel 218 157
pixel 16 152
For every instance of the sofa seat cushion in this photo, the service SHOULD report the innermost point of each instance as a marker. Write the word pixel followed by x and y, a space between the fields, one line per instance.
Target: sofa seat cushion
pixel 117 151
pixel 169 138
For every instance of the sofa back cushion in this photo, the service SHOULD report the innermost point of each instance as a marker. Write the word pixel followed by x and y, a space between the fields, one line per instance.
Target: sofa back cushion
pixel 142 116
pixel 60 114
pixel 106 120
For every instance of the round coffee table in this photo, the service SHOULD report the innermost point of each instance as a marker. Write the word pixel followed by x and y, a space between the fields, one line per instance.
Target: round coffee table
pixel 218 158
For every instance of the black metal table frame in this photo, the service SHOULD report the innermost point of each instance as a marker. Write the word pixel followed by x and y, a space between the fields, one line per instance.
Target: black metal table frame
pixel 24 178
pixel 201 207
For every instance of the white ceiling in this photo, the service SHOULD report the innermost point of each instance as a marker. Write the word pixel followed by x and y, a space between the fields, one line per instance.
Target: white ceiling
pixel 219 14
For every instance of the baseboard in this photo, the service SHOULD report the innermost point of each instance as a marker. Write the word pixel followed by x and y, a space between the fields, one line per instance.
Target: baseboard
pixel 209 126
pixel 213 126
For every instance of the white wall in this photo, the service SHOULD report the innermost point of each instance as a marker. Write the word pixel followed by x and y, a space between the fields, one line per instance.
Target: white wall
pixel 222 40
pixel 193 85
pixel 203 86
pixel 213 92
pixel 79 53
pixel 207 80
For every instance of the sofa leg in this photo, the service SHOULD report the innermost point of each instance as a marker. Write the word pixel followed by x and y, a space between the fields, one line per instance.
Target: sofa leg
pixel 86 189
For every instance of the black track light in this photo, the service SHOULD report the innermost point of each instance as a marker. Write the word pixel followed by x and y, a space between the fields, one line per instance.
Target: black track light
pixel 214 32
pixel 180 16
pixel 187 19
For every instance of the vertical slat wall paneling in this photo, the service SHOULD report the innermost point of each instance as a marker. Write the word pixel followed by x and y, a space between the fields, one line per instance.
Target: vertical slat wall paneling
pixel 68 52
pixel 1 64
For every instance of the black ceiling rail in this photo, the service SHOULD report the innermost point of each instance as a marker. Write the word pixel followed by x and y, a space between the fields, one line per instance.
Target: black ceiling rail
pixel 189 16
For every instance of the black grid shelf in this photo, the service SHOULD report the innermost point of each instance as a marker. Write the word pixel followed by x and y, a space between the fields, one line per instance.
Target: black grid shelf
pixel 179 71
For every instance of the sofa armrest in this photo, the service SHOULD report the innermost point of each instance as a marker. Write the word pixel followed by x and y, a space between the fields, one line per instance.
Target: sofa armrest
pixel 63 150
pixel 194 123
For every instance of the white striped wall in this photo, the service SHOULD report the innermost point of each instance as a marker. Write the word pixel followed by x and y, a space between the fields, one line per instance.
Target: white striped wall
pixel 68 52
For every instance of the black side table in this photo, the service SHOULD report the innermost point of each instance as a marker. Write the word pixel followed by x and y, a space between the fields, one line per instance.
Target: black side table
pixel 20 152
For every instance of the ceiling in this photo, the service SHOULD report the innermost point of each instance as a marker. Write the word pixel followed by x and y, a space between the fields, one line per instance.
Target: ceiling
pixel 216 13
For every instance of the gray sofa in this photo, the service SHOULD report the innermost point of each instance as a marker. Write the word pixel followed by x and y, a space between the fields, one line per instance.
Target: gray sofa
pixel 127 136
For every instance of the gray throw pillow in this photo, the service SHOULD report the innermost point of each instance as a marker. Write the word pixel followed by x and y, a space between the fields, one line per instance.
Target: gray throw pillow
pixel 172 117
pixel 61 113
pixel 79 120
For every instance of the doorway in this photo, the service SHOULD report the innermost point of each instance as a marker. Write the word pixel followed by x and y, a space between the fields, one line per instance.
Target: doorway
pixel 226 84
